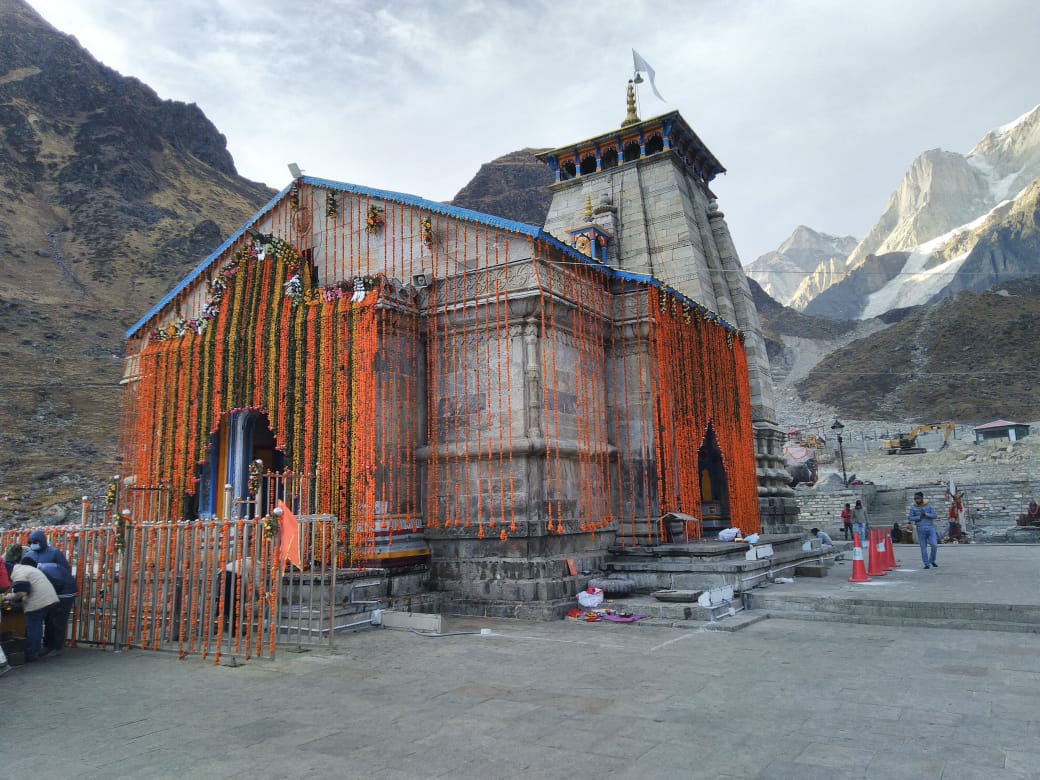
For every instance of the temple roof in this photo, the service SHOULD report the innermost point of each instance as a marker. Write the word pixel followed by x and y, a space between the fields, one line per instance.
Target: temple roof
pixel 680 136
pixel 432 206
pixel 1000 424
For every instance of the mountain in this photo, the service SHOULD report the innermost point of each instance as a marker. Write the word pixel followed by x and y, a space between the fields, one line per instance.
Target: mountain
pixel 971 358
pixel 109 195
pixel 781 272
pixel 922 248
pixel 514 186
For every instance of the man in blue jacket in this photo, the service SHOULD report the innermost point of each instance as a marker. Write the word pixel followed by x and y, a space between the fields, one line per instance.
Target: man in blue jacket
pixel 922 515
pixel 52 562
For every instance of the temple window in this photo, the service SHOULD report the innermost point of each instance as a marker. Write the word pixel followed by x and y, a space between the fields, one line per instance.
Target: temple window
pixel 609 159
pixel 567 170
pixel 632 151
pixel 654 145
pixel 588 164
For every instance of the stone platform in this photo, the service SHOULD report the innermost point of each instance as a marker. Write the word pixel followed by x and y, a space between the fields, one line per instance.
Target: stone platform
pixel 985 587
pixel 709 563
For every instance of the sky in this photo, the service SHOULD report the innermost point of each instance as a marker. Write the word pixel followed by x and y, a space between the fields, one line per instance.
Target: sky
pixel 816 108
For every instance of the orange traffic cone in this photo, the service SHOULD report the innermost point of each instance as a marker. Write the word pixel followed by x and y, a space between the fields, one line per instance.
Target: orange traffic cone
pixel 859 571
pixel 890 557
pixel 877 567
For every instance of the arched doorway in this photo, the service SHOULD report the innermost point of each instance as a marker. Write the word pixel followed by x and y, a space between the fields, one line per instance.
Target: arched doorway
pixel 243 436
pixel 715 512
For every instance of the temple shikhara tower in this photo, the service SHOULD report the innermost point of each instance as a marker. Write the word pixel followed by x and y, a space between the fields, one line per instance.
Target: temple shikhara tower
pixel 638 199
pixel 495 405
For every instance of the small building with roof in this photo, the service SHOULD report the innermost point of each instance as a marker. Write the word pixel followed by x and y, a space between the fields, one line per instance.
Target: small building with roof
pixel 1001 429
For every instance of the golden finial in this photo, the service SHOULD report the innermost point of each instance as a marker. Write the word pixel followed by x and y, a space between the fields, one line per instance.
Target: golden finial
pixel 588 207
pixel 632 117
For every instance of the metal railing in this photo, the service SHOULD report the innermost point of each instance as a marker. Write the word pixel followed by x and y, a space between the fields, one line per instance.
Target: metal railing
pixel 202 587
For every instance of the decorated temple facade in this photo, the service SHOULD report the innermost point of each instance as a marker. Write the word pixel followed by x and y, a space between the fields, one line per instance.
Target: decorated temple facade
pixel 496 401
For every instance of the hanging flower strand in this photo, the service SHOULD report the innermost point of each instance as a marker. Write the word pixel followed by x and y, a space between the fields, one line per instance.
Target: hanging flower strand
pixel 375 219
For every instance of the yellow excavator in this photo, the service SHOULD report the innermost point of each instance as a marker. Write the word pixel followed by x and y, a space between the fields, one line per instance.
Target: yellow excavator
pixel 906 443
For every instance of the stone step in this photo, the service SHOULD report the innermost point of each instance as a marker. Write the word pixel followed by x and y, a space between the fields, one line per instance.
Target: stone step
pixel 728 623
pixel 983 617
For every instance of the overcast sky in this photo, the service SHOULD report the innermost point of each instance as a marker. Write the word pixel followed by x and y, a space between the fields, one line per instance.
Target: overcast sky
pixel 815 107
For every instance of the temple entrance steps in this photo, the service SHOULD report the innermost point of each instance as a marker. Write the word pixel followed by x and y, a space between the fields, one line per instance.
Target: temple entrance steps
pixel 709 563
pixel 889 506
pixel 708 581
pixel 305 613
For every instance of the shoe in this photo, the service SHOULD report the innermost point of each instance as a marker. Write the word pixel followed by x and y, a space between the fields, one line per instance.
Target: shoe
pixel 44 653
pixel 935 565
pixel 5 669
pixel 927 566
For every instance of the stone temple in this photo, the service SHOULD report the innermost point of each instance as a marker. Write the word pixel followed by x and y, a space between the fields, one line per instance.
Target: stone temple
pixel 490 406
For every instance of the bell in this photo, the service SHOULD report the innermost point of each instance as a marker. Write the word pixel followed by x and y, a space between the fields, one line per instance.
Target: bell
pixel 638 79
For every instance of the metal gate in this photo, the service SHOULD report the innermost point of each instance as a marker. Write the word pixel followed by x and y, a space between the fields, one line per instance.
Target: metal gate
pixel 200 587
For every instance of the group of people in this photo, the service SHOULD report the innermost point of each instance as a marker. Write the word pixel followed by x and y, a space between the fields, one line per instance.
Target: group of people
pixel 40 579
pixel 921 519
pixel 854 521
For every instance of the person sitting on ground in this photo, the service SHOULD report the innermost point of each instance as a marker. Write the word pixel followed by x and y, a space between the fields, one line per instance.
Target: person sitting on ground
pixel 1031 518
pixel 825 539
pixel 896 533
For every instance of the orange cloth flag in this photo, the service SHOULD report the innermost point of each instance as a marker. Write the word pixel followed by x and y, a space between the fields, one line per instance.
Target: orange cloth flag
pixel 289 537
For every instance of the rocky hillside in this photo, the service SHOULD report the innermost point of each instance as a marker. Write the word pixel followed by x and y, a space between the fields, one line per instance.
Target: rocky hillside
pixel 108 196
pixel 973 359
pixel 514 186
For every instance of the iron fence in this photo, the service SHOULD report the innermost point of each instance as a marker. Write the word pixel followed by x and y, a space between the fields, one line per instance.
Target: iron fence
pixel 201 587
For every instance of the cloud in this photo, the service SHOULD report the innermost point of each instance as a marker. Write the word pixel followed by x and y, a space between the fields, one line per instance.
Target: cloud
pixel 816 108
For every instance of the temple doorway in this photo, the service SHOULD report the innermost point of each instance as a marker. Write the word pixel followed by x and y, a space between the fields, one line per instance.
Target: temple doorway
pixel 243 438
pixel 715 510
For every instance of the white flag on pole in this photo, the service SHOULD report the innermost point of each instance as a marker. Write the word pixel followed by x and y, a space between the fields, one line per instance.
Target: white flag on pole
pixel 639 65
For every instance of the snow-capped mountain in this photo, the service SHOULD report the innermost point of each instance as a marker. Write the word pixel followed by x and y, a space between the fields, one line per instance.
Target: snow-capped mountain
pixel 781 272
pixel 951 212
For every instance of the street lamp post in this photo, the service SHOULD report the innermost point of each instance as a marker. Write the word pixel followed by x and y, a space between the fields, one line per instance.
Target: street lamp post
pixel 837 427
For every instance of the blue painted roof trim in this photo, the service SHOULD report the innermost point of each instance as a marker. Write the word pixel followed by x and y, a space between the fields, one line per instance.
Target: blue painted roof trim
pixel 697 307
pixel 432 206
pixel 204 265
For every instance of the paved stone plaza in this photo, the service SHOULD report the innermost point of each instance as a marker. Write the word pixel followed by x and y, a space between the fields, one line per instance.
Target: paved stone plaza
pixel 779 699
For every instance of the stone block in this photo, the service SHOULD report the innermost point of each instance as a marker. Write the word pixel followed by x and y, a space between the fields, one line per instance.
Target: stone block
pixel 811 570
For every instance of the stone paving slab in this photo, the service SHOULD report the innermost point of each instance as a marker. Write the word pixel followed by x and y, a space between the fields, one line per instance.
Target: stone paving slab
pixel 778 699
pixel 967 573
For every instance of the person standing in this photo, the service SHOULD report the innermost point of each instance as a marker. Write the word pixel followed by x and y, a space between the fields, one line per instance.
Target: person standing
pixel 5 583
pixel 846 523
pixel 922 515
pixel 859 521
pixel 38 598
pixel 52 562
